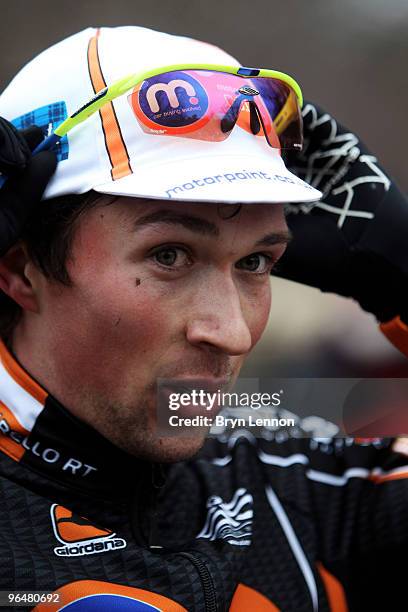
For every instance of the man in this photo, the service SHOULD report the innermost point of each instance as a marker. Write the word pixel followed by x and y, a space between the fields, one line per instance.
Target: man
pixel 27 178
pixel 121 287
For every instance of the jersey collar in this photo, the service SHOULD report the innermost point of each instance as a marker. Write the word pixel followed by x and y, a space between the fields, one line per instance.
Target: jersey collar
pixel 39 433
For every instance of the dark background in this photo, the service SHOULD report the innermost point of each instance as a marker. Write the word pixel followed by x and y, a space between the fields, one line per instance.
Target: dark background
pixel 350 56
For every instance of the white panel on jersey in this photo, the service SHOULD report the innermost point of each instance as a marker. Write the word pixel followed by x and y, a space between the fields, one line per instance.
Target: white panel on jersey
pixel 23 405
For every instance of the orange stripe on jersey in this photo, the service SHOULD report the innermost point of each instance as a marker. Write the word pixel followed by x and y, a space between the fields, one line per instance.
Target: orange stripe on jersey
pixel 384 478
pixel 81 589
pixel 397 333
pixel 20 376
pixel 114 142
pixel 9 446
pixel 334 590
pixel 247 598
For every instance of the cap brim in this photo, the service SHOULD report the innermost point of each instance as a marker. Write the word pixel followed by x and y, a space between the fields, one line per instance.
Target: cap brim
pixel 236 179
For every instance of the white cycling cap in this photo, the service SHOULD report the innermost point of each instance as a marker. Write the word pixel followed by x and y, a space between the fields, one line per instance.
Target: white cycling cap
pixel 110 154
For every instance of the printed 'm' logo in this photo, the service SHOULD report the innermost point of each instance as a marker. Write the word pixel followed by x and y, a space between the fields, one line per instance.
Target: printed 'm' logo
pixel 79 536
pixel 170 90
pixel 176 101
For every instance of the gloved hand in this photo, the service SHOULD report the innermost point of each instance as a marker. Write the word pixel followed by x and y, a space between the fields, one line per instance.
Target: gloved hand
pixel 27 178
pixel 354 242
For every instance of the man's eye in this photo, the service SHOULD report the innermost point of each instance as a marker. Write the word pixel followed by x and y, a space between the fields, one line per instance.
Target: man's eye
pixel 174 257
pixel 256 262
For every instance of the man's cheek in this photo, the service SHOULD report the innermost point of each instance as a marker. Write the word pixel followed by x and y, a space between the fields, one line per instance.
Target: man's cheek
pixel 259 317
pixel 258 330
pixel 136 319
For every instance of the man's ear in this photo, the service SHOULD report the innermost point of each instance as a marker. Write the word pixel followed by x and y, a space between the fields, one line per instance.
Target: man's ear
pixel 15 277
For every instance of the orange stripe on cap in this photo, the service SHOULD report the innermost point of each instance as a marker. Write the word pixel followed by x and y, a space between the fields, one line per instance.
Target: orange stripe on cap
pixel 397 333
pixel 334 590
pixel 20 376
pixel 114 142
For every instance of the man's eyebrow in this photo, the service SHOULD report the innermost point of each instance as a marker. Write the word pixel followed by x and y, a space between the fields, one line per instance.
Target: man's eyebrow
pixel 201 226
pixel 275 238
pixel 172 217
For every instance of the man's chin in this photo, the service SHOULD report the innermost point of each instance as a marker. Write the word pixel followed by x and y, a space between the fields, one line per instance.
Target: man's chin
pixel 171 449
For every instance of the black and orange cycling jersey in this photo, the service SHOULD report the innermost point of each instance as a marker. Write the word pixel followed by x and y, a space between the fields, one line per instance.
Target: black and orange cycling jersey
pixel 249 524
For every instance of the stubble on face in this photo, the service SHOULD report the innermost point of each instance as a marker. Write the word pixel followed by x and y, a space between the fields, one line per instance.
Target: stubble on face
pixel 130 428
pixel 135 425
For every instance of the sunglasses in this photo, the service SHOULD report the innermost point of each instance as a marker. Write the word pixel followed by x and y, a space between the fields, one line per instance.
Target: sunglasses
pixel 204 102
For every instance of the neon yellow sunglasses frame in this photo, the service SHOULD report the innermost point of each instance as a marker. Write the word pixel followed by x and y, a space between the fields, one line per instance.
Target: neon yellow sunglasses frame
pixel 125 84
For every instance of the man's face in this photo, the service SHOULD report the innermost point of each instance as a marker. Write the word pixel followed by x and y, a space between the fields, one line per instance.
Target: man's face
pixel 159 290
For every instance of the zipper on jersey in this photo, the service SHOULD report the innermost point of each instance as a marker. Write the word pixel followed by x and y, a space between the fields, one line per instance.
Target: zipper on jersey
pixel 158 482
pixel 144 507
pixel 210 597
pixel 151 539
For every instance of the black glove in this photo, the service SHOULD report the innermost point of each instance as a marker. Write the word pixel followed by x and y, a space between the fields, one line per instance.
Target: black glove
pixel 354 242
pixel 27 178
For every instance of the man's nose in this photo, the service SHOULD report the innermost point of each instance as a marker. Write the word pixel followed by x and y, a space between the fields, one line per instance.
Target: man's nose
pixel 217 319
